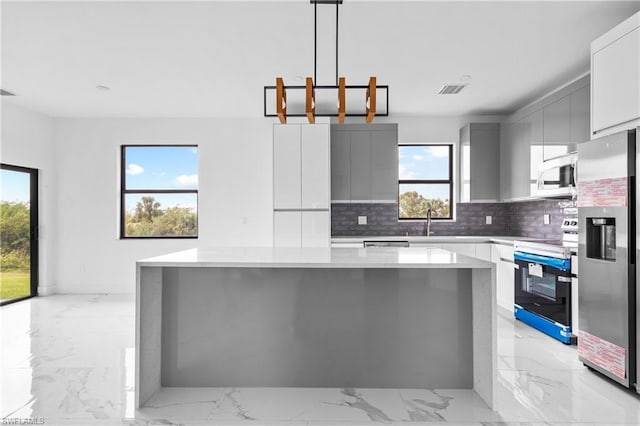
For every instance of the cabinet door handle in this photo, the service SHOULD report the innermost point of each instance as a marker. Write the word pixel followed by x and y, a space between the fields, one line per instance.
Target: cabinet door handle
pixel 503 259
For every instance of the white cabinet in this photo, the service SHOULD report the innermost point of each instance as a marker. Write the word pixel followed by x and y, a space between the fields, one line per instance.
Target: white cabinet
pixel 615 79
pixel 301 166
pixel 314 147
pixel 301 229
pixel 288 229
pixel 301 185
pixel 315 229
pixel 483 251
pixel 286 167
pixel 502 256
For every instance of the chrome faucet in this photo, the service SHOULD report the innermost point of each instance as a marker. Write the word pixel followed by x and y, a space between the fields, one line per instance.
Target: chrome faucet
pixel 427 230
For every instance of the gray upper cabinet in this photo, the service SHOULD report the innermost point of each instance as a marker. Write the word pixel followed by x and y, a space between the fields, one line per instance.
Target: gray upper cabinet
pixel 364 163
pixel 384 159
pixel 580 120
pixel 532 151
pixel 360 166
pixel 505 162
pixel 479 160
pixel 545 129
pixel 557 126
pixel 520 159
pixel 514 161
pixel 340 166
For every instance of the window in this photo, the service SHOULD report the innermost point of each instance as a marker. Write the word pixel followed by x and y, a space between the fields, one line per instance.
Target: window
pixel 159 191
pixel 425 181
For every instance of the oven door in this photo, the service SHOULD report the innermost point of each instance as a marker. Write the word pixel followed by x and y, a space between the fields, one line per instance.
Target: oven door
pixel 543 286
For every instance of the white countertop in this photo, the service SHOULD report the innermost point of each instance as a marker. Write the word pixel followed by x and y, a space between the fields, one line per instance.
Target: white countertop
pixel 267 257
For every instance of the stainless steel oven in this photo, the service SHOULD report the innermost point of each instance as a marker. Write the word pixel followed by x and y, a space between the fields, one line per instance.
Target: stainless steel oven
pixel 543 289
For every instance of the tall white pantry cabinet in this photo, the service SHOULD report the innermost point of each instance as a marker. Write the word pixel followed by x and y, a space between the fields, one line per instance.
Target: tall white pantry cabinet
pixel 301 185
pixel 615 79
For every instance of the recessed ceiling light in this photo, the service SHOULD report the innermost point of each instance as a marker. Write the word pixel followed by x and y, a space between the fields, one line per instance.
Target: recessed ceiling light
pixel 103 88
pixel 465 77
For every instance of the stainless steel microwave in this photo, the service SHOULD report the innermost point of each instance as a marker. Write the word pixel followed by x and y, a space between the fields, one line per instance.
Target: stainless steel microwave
pixel 557 176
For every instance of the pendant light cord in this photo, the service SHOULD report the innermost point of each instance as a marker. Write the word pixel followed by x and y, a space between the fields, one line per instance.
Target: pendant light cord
pixel 315 43
pixel 337 5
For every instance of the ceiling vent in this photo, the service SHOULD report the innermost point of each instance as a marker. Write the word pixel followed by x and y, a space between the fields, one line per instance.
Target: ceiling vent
pixel 451 89
pixel 5 93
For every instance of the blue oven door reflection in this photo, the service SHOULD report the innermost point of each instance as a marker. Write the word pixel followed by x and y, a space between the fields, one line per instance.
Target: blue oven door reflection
pixel 543 293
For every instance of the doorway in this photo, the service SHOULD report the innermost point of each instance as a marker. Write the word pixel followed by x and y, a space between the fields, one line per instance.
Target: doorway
pixel 18 233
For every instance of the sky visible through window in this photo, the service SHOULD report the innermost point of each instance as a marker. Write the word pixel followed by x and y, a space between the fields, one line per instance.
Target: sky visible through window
pixel 15 186
pixel 424 162
pixel 172 167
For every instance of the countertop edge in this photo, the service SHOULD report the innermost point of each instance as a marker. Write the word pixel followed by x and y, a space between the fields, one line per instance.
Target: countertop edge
pixel 479 265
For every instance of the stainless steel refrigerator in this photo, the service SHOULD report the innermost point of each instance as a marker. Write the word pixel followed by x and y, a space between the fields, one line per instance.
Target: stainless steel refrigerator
pixel 607 256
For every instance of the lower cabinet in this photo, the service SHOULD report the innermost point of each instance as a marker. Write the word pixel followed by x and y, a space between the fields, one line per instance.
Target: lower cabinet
pixel 479 250
pixel 301 229
pixel 466 249
pixel 483 251
pixel 502 256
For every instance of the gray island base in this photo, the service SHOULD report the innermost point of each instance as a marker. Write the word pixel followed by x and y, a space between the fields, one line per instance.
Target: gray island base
pixel 340 318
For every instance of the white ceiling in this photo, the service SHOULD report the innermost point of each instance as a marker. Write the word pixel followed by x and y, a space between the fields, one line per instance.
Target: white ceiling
pixel 203 59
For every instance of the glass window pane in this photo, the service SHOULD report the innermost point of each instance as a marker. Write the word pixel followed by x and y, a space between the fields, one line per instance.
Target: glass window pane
pixel 415 199
pixel 167 167
pixel 423 162
pixel 161 215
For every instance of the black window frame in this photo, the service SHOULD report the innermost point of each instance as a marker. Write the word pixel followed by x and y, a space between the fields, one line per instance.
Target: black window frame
pixel 448 181
pixel 34 248
pixel 124 191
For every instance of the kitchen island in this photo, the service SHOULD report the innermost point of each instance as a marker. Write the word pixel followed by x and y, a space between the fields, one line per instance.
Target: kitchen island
pixel 315 317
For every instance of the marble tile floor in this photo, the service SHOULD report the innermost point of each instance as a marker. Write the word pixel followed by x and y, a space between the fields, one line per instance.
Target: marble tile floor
pixel 69 360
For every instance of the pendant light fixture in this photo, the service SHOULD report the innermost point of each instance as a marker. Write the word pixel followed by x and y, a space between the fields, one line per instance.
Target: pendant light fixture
pixel 318 98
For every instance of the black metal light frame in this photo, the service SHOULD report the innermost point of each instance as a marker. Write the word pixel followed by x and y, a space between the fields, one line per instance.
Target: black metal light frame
pixel 384 88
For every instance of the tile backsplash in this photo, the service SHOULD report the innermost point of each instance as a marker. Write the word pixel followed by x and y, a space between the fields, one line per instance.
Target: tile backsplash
pixel 508 219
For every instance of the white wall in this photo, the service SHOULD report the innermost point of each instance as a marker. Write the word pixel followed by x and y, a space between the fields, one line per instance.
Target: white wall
pixel 27 141
pixel 235 194
pixel 79 170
